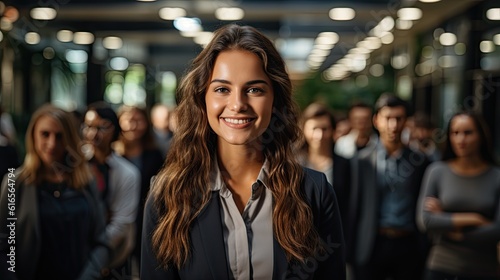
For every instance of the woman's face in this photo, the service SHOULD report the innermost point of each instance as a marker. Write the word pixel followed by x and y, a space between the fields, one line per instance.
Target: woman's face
pixel 48 140
pixel 318 131
pixel 464 136
pixel 239 98
pixel 133 125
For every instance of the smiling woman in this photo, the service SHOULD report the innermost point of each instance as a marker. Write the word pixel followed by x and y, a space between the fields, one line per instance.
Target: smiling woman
pixel 239 98
pixel 231 201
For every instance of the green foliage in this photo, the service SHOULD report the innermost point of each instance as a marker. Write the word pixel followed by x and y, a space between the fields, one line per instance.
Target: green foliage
pixel 339 95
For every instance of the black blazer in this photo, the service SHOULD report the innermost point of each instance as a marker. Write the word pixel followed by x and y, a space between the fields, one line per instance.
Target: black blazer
pixel 208 255
pixel 152 161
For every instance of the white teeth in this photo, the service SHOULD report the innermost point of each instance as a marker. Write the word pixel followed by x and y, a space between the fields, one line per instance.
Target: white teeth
pixel 237 121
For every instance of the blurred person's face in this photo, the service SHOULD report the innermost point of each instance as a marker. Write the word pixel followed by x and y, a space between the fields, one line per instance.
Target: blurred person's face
pixel 318 131
pixel 390 121
pixel 133 125
pixel 422 135
pixel 464 136
pixel 343 128
pixel 172 122
pixel 48 140
pixel 97 131
pixel 160 118
pixel 361 119
pixel 239 98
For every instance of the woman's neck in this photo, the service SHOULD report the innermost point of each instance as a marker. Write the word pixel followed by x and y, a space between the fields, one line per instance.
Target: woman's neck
pixel 240 166
pixel 470 165
pixel 320 158
pixel 239 163
pixel 53 174
pixel 321 151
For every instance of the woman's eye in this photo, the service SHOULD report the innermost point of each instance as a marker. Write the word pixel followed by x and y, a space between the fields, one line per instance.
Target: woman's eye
pixel 468 132
pixel 255 90
pixel 221 90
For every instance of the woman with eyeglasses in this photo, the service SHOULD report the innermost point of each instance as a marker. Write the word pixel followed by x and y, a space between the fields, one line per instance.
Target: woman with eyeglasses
pixel 118 183
pixel 137 144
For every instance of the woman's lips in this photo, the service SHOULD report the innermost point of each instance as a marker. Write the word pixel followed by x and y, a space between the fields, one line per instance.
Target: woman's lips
pixel 237 122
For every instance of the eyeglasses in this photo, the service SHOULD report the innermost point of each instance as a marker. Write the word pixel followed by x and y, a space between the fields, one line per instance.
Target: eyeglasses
pixel 100 128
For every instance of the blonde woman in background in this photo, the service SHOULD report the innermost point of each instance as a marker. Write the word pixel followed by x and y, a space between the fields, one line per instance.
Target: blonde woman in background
pixel 60 229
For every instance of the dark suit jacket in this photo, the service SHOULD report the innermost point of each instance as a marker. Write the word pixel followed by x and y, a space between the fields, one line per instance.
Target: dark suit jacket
pixel 27 233
pixel 152 161
pixel 208 258
pixel 367 195
pixel 342 173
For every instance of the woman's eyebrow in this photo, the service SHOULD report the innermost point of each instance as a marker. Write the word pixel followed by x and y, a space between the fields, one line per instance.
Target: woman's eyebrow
pixel 253 82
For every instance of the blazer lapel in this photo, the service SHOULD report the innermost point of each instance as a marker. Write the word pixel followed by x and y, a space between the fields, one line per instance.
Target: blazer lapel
pixel 212 238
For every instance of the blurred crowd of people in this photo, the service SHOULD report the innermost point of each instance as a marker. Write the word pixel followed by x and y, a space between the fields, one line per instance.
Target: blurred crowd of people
pixel 416 201
pixel 422 202
pixel 93 171
pixel 412 207
pixel 236 183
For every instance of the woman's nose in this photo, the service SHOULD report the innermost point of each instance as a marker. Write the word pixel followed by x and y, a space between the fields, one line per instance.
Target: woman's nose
pixel 237 102
pixel 51 141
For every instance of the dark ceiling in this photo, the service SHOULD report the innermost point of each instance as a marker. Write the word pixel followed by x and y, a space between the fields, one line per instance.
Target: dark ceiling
pixel 139 24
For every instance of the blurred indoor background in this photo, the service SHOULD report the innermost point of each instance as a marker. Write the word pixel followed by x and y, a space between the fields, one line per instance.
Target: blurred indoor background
pixel 438 55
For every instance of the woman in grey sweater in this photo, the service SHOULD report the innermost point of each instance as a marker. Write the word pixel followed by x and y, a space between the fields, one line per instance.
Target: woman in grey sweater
pixel 459 205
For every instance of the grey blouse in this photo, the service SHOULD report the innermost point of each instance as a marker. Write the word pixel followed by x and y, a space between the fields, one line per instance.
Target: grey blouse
pixel 248 236
pixel 476 254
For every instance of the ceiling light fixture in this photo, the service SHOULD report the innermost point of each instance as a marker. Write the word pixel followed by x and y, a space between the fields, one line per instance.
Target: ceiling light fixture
pixel 119 63
pixel 410 13
pixel 83 38
pixel 32 38
pixel 229 13
pixel 171 13
pixel 496 39
pixel 342 13
pixel 387 23
pixel 112 42
pixel 386 38
pixel 76 56
pixel 185 24
pixel 493 14
pixel 43 13
pixel 64 36
pixel 448 39
pixel 327 38
pixel 487 46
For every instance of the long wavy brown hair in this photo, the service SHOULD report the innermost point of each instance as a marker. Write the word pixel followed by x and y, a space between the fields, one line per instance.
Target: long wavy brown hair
pixel 181 188
pixel 74 163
